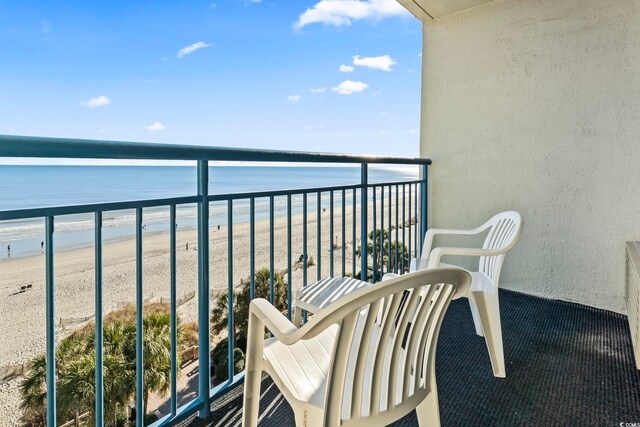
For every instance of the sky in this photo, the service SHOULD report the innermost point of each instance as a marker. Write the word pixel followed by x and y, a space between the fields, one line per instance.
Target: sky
pixel 313 75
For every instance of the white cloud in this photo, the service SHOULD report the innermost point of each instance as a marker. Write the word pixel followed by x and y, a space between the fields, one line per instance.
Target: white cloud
pixel 191 48
pixel 98 101
pixel 343 12
pixel 293 98
pixel 346 68
pixel 319 90
pixel 349 87
pixel 155 127
pixel 384 62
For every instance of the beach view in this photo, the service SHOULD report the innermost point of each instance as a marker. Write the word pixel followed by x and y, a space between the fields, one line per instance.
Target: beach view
pixel 22 268
pixel 319 213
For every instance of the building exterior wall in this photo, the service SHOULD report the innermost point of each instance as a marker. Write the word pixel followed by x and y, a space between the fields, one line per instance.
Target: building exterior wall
pixel 534 105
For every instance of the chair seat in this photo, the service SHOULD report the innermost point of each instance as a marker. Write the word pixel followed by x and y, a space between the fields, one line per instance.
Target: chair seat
pixel 480 282
pixel 302 368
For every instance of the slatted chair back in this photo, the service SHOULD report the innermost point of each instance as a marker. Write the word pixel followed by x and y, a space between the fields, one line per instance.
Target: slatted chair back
pixel 383 362
pixel 504 231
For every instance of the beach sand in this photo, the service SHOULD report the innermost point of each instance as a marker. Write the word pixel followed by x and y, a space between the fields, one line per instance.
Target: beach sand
pixel 22 315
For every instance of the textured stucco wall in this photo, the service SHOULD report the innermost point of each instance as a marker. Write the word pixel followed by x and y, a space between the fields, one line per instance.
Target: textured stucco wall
pixel 535 106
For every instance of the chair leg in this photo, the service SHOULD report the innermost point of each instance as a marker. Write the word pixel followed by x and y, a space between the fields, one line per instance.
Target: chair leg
pixel 297 316
pixel 253 373
pixel 489 311
pixel 428 412
pixel 476 316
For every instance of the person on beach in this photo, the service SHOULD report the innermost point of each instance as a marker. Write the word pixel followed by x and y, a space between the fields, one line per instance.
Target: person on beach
pixel 9 251
pixel 218 227
pixel 187 245
pixel 42 247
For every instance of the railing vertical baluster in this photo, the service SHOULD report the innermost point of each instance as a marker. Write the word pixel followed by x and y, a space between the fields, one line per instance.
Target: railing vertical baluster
pixel 331 258
pixel 230 330
pixel 373 242
pixel 304 245
pixel 99 370
pixel 364 212
pixel 404 226
pixel 204 367
pixel 252 248
pixel 271 251
pixel 50 323
pixel 423 200
pixel 415 228
pixel 396 251
pixel 381 231
pixel 353 230
pixel 289 272
pixel 410 223
pixel 343 233
pixel 319 235
pixel 389 263
pixel 174 308
pixel 139 324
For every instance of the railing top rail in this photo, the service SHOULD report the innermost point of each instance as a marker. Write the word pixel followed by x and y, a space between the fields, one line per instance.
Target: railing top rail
pixel 43 147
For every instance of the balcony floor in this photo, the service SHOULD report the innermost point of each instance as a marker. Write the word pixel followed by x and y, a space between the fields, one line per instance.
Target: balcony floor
pixel 567 364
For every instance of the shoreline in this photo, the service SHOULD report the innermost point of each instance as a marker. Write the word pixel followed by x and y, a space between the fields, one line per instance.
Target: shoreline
pixel 76 231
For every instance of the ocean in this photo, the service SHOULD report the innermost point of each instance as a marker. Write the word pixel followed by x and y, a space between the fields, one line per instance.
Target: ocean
pixel 24 187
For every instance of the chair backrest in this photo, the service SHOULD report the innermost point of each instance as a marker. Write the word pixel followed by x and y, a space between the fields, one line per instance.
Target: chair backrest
pixel 504 231
pixel 383 361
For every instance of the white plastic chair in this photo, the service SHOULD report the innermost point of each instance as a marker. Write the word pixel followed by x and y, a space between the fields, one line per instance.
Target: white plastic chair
pixel 349 365
pixel 505 229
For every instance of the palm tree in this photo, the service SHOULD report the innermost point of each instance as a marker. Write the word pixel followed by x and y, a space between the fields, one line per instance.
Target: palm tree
pixel 75 367
pixel 33 390
pixel 119 371
pixel 157 355
pixel 390 253
pixel 76 386
pixel 242 299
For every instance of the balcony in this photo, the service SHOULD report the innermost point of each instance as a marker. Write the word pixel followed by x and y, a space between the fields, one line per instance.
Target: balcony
pixel 565 361
pixel 271 242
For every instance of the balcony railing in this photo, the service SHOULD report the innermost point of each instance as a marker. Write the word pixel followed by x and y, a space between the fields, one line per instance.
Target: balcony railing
pixel 382 204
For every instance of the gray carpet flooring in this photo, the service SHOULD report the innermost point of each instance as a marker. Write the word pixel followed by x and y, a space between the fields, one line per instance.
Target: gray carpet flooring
pixel 567 364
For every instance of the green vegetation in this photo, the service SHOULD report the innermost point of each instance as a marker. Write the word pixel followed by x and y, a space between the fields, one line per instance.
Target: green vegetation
pixel 241 301
pixel 391 256
pixel 75 368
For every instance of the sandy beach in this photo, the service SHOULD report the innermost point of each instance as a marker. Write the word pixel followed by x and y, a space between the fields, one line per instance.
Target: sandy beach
pixel 22 319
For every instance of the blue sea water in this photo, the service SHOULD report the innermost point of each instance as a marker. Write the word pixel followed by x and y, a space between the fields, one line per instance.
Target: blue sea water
pixel 24 187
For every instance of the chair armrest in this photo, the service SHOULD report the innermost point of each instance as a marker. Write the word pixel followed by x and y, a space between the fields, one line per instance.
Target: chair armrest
pixel 274 321
pixel 428 238
pixel 438 253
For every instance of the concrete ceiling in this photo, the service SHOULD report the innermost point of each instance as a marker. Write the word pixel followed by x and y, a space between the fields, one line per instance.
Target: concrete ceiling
pixel 430 9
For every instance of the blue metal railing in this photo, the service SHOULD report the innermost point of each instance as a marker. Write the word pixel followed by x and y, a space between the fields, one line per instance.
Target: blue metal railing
pixel 35 147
